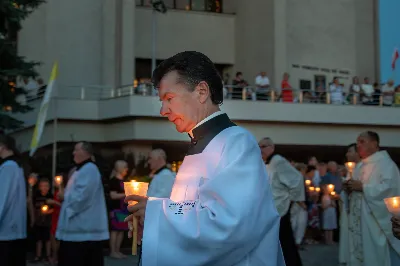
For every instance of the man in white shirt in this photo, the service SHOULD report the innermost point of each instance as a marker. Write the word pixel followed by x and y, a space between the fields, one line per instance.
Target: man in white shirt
pixel 262 84
pixel 162 178
pixel 287 187
pixel 221 211
pixel 336 91
pixel 388 93
pixel 12 205
pixel 83 222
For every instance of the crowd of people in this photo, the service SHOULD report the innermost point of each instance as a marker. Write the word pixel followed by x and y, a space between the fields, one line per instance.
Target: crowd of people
pixel 233 201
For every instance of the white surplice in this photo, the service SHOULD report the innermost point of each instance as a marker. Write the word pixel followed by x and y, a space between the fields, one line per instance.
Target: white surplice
pixel 221 211
pixel 381 179
pixel 286 182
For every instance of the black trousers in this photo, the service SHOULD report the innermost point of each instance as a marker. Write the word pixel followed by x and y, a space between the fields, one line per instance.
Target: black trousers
pixel 13 252
pixel 81 253
pixel 288 244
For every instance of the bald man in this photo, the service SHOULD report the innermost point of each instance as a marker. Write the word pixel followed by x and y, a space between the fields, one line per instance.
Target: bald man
pixel 287 187
pixel 163 178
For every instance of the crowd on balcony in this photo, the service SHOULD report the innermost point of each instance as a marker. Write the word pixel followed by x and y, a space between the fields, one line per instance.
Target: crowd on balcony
pixel 365 93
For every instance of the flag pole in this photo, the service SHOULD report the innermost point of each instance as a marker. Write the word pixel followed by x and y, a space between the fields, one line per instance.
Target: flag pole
pixel 54 159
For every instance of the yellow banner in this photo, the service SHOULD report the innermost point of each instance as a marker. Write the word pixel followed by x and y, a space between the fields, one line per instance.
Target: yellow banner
pixel 41 120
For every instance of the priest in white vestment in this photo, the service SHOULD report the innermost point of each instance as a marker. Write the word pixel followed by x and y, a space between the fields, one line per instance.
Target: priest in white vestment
pixel 221 211
pixel 162 178
pixel 350 241
pixel 379 179
pixel 287 188
pixel 12 205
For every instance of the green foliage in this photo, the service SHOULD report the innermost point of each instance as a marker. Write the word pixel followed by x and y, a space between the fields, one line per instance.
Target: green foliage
pixel 12 66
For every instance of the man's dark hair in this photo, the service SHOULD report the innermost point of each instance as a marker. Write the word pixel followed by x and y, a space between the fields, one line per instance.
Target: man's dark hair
pixel 8 142
pixel 192 68
pixel 87 146
pixel 373 136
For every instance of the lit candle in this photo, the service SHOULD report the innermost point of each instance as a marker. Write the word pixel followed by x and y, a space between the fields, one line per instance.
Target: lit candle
pixel 350 167
pixel 317 189
pixel 308 182
pixel 140 189
pixel 331 187
pixel 58 179
pixel 333 193
pixel 311 188
pixel 393 205
pixel 45 208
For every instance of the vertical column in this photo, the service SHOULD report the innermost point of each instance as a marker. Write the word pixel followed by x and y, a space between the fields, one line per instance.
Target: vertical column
pixel 280 37
pixel 128 42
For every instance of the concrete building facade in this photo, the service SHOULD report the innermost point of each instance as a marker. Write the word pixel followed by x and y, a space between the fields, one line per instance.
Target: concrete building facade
pixel 98 42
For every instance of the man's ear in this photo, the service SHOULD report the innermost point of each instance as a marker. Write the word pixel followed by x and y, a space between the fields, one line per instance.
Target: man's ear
pixel 203 91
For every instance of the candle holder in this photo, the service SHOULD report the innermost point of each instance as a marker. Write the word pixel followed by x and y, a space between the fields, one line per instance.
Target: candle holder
pixel 331 188
pixel 333 193
pixel 317 189
pixel 140 189
pixel 307 182
pixel 311 189
pixel 393 205
pixel 350 168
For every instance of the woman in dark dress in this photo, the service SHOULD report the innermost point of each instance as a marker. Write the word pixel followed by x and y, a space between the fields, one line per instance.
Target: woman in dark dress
pixel 118 208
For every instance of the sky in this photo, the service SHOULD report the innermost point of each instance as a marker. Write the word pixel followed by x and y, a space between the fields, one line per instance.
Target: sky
pixel 389 31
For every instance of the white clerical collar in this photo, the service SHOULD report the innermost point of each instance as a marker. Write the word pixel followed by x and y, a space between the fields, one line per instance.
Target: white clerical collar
pixel 205 120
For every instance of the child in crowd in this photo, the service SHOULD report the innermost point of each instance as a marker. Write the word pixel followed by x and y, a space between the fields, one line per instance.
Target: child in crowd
pixel 329 220
pixel 313 218
pixel 42 219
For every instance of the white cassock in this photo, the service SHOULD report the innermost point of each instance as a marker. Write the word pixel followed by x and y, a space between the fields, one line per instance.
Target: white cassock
pixel 221 211
pixel 381 179
pixel 161 183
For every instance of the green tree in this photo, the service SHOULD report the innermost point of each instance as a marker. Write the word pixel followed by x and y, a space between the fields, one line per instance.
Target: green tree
pixel 12 66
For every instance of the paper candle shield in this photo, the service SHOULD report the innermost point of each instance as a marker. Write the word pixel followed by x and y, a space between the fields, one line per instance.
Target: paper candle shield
pixel 393 205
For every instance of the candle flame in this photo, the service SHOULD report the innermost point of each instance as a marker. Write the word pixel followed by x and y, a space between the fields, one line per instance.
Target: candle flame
pixel 308 182
pixel 331 187
pixel 350 166
pixel 333 193
pixel 45 208
pixel 395 203
pixel 58 179
pixel 317 189
pixel 311 188
pixel 135 185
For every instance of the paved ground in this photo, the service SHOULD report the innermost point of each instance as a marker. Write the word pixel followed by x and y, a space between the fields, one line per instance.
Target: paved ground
pixel 315 255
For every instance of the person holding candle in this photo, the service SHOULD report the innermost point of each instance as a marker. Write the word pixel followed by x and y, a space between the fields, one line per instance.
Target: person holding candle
pixel 350 244
pixel 118 208
pixel 83 222
pixel 42 219
pixel 379 179
pixel 13 208
pixel 221 210
pixel 329 222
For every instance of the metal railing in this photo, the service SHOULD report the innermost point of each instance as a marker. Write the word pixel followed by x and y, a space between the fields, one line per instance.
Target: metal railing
pixel 249 93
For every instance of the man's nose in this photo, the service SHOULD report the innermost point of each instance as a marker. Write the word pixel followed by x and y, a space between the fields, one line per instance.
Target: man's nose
pixel 163 110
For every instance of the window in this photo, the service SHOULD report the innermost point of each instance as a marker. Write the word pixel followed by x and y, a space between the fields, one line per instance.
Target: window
pixel 182 4
pixel 198 5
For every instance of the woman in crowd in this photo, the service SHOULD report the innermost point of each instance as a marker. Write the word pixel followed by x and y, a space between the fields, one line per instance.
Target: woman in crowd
pixel 329 219
pixel 118 208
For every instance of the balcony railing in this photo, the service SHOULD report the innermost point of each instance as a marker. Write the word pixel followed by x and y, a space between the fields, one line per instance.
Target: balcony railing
pixel 233 93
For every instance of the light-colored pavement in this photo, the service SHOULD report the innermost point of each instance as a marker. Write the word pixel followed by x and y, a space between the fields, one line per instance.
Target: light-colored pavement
pixel 315 255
